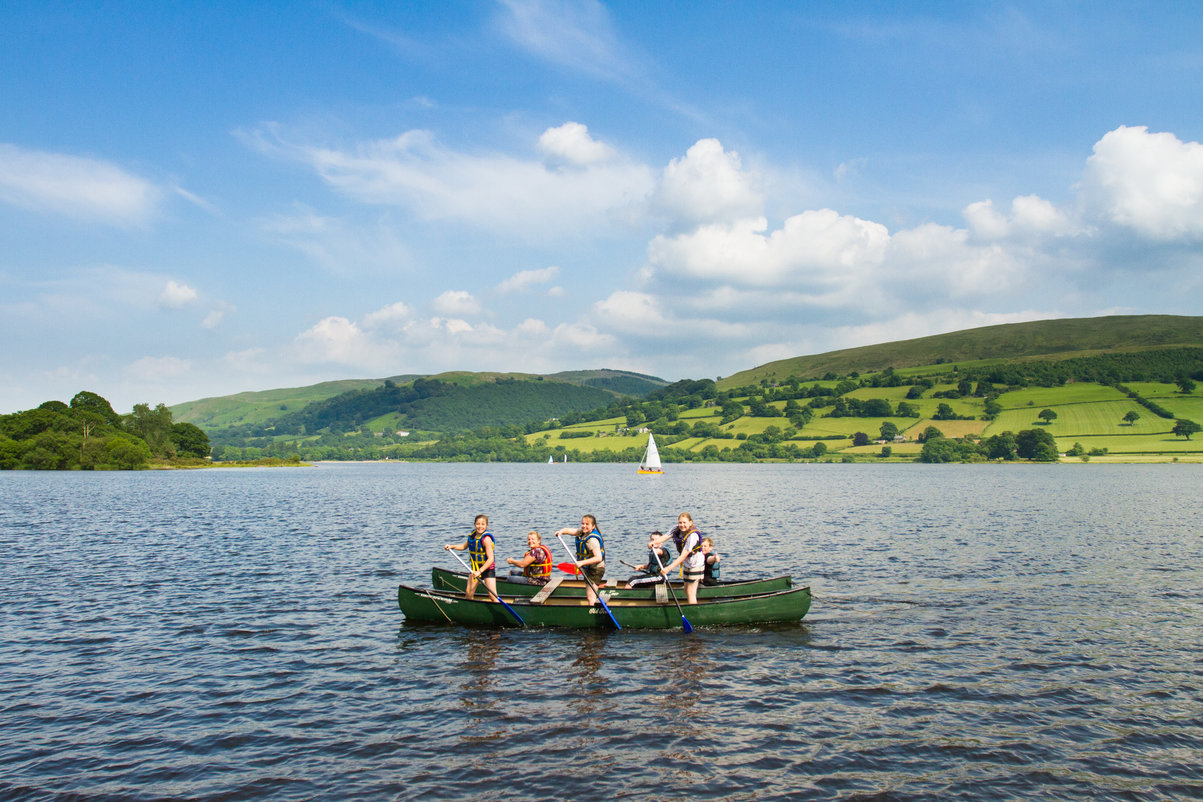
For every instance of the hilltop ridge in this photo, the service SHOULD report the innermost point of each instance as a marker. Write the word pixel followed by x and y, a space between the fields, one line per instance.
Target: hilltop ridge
pixel 1041 339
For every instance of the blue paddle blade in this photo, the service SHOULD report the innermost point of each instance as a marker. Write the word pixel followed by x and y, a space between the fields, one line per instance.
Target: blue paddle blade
pixel 686 625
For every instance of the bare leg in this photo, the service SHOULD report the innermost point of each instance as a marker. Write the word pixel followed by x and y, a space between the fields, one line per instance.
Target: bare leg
pixel 691 592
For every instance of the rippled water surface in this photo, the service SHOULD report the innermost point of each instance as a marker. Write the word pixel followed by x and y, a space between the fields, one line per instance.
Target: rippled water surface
pixel 984 632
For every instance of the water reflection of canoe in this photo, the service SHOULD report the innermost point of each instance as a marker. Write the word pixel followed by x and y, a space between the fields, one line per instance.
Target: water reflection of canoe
pixel 443 607
pixel 442 579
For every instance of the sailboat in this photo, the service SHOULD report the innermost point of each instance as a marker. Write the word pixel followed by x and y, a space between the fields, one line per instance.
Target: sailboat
pixel 551 460
pixel 651 457
pixel 565 459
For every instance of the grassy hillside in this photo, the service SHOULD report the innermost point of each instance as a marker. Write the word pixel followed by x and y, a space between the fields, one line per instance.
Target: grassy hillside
pixel 1043 339
pixel 258 408
pixel 616 381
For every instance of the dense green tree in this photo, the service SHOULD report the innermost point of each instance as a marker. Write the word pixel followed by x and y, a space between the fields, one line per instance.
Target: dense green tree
pixel 1185 428
pixel 889 430
pixel 1132 417
pixel 945 412
pixel 860 439
pixel 1047 415
pixel 732 410
pixel 153 426
pixel 189 440
pixel 1002 446
pixel 91 402
pixel 1185 384
pixel 1036 444
pixel 930 433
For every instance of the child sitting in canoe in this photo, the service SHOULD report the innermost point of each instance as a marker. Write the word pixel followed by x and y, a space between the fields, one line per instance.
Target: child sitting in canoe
pixel 535 566
pixel 710 561
pixel 649 573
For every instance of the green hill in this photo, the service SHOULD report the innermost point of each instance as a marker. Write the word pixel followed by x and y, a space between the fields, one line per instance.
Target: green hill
pixel 260 407
pixel 1042 339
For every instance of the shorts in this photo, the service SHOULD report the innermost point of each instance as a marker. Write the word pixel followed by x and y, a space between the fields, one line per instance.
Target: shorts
pixel 594 572
pixel 488 573
pixel 644 580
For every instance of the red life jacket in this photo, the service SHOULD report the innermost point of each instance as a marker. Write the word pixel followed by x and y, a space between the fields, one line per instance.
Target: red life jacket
pixel 541 567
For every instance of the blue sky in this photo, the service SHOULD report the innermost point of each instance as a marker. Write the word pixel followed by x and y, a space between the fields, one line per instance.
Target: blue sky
pixel 198 199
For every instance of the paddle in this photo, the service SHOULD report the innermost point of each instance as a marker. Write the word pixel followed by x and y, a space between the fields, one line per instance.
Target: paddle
pixel 685 625
pixel 568 568
pixel 589 582
pixel 490 590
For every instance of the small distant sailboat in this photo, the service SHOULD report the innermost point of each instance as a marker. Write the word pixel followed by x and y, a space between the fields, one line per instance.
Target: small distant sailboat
pixel 651 457
pixel 551 460
pixel 565 459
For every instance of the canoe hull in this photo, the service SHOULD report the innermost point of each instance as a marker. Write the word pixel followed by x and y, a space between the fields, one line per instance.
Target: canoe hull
pixel 456 581
pixel 440 607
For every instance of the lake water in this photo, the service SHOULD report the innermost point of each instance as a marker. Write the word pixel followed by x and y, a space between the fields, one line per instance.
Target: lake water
pixel 979 632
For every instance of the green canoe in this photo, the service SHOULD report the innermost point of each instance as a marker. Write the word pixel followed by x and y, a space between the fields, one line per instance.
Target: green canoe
pixel 442 607
pixel 455 581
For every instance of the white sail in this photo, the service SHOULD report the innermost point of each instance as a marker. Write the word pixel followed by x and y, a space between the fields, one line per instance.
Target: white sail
pixel 651 457
pixel 551 460
pixel 565 458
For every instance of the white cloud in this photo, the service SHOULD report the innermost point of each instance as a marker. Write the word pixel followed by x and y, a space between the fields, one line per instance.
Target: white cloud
pixel 456 302
pixel 1031 217
pixel 524 279
pixel 820 249
pixel 151 368
pixel 632 312
pixel 216 315
pixel 572 33
pixel 570 143
pixel 516 197
pixel 72 186
pixel 708 185
pixel 336 339
pixel 392 316
pixel 176 295
pixel 1149 182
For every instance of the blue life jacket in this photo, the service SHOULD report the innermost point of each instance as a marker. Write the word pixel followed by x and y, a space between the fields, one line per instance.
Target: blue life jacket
pixel 582 553
pixel 476 548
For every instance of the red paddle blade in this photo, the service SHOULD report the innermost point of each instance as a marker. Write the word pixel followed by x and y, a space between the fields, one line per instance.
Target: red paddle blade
pixel 568 568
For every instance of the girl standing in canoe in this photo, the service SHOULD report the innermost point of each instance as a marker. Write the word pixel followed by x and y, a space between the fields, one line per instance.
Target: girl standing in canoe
pixel 688 540
pixel 480 546
pixel 590 553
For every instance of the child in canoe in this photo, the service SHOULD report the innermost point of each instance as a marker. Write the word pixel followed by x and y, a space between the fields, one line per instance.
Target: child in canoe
pixel 589 555
pixel 480 546
pixel 688 540
pixel 535 566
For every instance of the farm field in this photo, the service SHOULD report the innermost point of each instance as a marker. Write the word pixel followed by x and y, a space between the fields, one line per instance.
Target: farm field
pixel 949 428
pixel 1099 418
pixel 1077 393
pixel 846 427
pixel 1087 413
pixel 1184 406
pixel 1135 444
